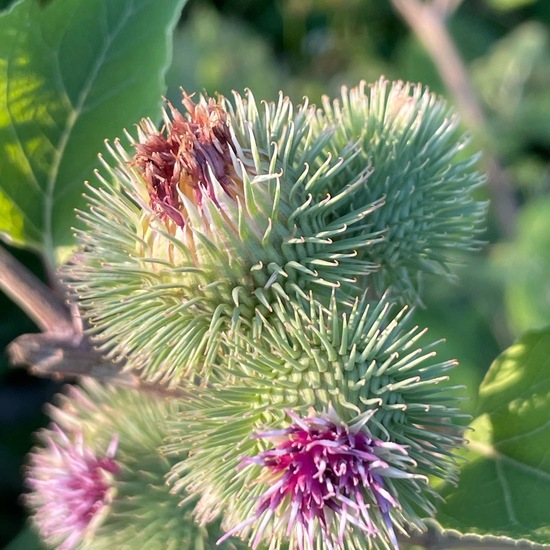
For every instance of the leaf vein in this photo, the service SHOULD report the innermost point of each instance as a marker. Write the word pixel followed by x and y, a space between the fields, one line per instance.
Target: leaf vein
pixel 530 433
pixel 506 492
pixel 491 452
pixel 70 123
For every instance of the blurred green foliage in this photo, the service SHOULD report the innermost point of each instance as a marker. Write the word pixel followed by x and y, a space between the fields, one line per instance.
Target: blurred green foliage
pixel 525 265
pixel 312 47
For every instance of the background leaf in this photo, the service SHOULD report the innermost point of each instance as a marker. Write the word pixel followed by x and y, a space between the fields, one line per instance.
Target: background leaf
pixel 72 73
pixel 524 264
pixel 506 5
pixel 221 55
pixel 26 540
pixel 505 482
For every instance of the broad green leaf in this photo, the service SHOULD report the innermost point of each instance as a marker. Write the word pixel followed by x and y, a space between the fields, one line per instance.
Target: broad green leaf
pixel 72 73
pixel 504 488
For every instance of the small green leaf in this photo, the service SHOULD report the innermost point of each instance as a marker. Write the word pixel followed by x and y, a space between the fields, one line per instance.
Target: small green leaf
pixel 72 73
pixel 504 488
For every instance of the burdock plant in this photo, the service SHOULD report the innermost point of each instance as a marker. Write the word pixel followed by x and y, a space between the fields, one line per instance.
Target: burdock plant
pixel 253 264
pixel 99 466
pixel 326 433
pixel 209 220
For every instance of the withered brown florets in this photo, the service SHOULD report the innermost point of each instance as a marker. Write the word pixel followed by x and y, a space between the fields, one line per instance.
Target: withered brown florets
pixel 187 157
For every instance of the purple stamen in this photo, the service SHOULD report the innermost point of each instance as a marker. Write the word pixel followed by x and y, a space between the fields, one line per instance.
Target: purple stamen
pixel 70 486
pixel 327 478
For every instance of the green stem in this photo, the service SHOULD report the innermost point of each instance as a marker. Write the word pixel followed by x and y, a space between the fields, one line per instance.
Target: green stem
pixel 434 540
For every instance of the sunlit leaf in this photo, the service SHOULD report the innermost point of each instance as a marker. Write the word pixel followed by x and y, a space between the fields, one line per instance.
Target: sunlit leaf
pixel 72 73
pixel 509 5
pixel 504 488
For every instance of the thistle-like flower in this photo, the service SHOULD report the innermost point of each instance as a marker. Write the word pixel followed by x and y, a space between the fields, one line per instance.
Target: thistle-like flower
pixel 419 164
pixel 228 208
pixel 82 495
pixel 325 478
pixel 208 220
pixel 386 400
pixel 72 487
pixel 227 253
pixel 192 162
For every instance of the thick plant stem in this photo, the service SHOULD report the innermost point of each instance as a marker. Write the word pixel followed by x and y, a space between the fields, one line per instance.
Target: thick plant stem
pixel 37 300
pixel 62 350
pixel 432 539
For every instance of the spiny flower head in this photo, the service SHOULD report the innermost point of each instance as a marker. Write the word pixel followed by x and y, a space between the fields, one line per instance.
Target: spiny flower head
pixel 71 485
pixel 232 206
pixel 117 498
pixel 323 479
pixel 419 162
pixel 206 220
pixel 363 363
pixel 188 160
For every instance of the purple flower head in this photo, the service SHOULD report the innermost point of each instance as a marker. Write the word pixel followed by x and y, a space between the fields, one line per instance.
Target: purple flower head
pixel 326 478
pixel 71 487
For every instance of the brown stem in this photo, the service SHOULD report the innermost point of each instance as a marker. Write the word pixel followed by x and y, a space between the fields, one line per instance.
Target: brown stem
pixel 427 20
pixel 62 350
pixel 35 298
pixel 58 357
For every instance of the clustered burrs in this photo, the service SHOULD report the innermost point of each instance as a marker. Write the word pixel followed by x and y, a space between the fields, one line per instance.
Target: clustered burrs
pixel 258 259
